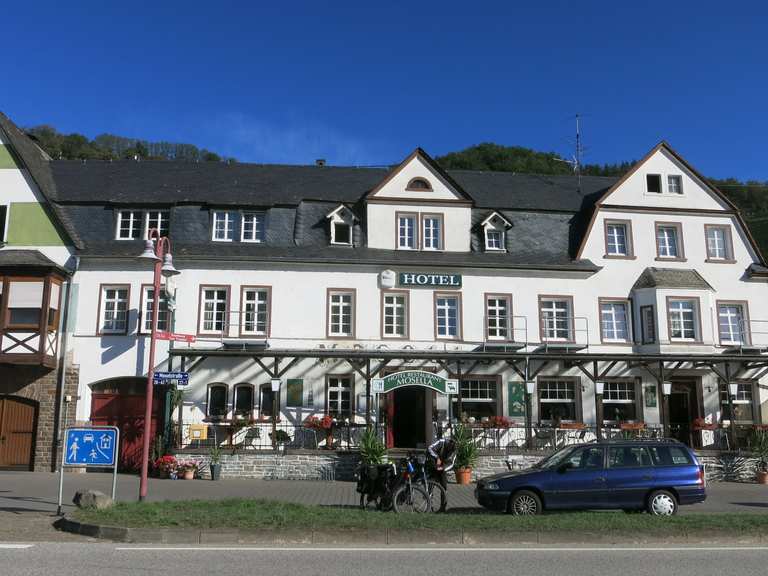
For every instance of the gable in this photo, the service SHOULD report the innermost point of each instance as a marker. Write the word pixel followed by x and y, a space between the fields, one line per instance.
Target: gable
pixel 418 180
pixel 663 164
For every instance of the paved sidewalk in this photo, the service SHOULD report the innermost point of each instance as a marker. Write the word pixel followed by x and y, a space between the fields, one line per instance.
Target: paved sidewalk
pixel 28 499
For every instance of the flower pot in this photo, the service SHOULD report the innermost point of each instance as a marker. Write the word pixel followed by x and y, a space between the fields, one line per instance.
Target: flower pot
pixel 215 471
pixel 762 477
pixel 463 475
pixel 188 475
pixel 329 440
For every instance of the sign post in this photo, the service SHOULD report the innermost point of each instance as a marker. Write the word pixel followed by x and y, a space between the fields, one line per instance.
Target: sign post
pixel 94 447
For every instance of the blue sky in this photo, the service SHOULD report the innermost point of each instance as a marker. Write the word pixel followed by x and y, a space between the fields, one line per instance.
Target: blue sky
pixel 364 83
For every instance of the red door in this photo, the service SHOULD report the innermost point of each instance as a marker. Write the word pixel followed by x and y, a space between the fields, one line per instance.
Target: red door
pixel 126 411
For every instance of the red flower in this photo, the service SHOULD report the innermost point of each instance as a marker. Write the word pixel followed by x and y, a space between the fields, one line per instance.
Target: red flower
pixel 315 423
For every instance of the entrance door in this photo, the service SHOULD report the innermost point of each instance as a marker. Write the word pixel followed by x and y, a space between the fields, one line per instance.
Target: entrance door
pixel 683 409
pixel 17 433
pixel 407 417
pixel 126 411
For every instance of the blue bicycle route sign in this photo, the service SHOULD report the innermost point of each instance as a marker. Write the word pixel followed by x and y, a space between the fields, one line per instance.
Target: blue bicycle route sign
pixel 91 447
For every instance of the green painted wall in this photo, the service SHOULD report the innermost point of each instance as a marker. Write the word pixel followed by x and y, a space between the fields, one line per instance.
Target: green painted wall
pixel 29 225
pixel 6 158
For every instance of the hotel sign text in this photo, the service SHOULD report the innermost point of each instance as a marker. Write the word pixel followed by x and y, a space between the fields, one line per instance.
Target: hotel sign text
pixel 422 279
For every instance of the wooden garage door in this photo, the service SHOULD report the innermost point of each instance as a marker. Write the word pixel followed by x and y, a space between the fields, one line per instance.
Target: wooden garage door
pixel 17 433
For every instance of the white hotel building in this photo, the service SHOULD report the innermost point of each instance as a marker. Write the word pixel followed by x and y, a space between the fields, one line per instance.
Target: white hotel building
pixel 593 304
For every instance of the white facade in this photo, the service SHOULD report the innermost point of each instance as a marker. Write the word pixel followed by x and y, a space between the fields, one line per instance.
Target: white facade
pixel 299 296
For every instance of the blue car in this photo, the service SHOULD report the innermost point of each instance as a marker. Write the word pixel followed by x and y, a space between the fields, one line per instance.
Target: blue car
pixel 653 475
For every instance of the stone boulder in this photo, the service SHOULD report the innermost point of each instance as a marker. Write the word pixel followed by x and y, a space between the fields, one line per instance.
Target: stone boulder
pixel 92 499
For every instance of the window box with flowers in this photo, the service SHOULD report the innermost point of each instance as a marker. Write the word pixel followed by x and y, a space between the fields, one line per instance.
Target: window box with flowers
pixel 632 425
pixel 571 425
pixel 701 424
pixel 324 424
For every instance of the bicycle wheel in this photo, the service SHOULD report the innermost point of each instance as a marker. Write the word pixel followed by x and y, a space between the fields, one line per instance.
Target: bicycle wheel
pixel 410 499
pixel 438 499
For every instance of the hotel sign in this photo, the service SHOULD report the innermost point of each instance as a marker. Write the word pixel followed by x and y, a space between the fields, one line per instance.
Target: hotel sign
pixel 414 378
pixel 423 279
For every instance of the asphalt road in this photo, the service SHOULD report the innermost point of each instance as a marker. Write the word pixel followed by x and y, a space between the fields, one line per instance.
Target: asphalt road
pixel 65 559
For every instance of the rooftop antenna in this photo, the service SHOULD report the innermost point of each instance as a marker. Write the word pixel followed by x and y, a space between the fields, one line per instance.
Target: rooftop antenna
pixel 575 160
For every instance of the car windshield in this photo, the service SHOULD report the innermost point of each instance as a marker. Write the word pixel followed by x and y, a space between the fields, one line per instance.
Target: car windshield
pixel 555 459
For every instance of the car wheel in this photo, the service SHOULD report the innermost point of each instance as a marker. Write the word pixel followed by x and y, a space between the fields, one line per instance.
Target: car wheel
pixel 525 503
pixel 662 503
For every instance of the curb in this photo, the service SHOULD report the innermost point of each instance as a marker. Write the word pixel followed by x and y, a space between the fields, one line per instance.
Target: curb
pixel 393 537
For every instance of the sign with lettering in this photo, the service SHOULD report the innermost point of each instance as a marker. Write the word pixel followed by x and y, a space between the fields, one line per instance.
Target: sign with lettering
pixel 188 338
pixel 424 279
pixel 170 378
pixel 414 378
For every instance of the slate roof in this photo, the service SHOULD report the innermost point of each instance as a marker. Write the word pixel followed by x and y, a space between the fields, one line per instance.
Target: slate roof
pixel 671 278
pixel 128 182
pixel 27 259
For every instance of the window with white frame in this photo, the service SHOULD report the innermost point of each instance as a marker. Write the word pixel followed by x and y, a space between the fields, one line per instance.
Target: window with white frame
pixel 617 239
pixel 447 316
pixel 113 316
pixel 339 396
pixel 223 226
pixel 614 321
pixel 653 183
pixel 159 220
pixel 682 319
pixel 743 403
pixel 557 401
pixel 253 227
pixel 431 225
pixel 479 398
pixel 731 323
pixel 255 311
pixel 497 317
pixel 494 239
pixel 214 304
pixel 341 313
pixel 620 401
pixel 668 241
pixel 341 233
pixel 129 224
pixel 148 302
pixel 395 315
pixel 648 324
pixel 718 243
pixel 556 319
pixel 675 184
pixel 406 231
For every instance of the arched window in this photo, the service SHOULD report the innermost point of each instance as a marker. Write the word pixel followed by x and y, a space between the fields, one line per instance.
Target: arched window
pixel 419 184
pixel 217 401
pixel 243 405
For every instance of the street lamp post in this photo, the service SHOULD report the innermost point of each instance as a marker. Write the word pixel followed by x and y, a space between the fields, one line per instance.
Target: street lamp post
pixel 158 250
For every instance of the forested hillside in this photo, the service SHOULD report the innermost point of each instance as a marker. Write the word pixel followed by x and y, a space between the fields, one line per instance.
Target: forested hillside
pixel 751 197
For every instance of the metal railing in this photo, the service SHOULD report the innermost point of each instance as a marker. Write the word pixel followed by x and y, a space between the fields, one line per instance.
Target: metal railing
pixel 259 436
pixel 516 333
pixel 575 332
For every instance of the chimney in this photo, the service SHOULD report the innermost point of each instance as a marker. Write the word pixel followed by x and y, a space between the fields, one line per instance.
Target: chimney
pixel 320 162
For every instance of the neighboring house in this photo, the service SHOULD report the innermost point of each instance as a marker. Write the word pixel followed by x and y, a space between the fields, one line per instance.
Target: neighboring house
pixel 577 298
pixel 36 248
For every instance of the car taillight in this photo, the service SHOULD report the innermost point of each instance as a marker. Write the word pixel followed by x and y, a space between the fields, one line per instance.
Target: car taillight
pixel 702 478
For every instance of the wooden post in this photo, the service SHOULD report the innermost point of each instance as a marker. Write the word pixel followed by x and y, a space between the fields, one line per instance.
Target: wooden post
pixel 664 401
pixel 528 415
pixel 275 404
pixel 732 429
pixel 598 404
pixel 368 394
pixel 458 399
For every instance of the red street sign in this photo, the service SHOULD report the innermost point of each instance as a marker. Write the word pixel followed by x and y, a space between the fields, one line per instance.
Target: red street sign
pixel 188 338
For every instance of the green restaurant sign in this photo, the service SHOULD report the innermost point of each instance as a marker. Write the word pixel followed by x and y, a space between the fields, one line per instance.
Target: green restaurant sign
pixel 414 378
pixel 424 279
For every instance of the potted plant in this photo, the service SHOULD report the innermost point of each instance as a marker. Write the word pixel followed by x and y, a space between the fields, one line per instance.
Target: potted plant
pixel 280 437
pixel 466 454
pixel 186 469
pixel 165 466
pixel 324 424
pixel 760 449
pixel 215 455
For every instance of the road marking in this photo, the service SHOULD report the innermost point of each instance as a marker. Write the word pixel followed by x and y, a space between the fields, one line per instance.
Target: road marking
pixel 461 550
pixel 15 546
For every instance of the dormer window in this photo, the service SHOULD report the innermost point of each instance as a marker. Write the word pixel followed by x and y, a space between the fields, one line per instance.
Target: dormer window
pixel 129 224
pixel 341 220
pixel 341 233
pixel 494 230
pixel 223 226
pixel 158 220
pixel 419 184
